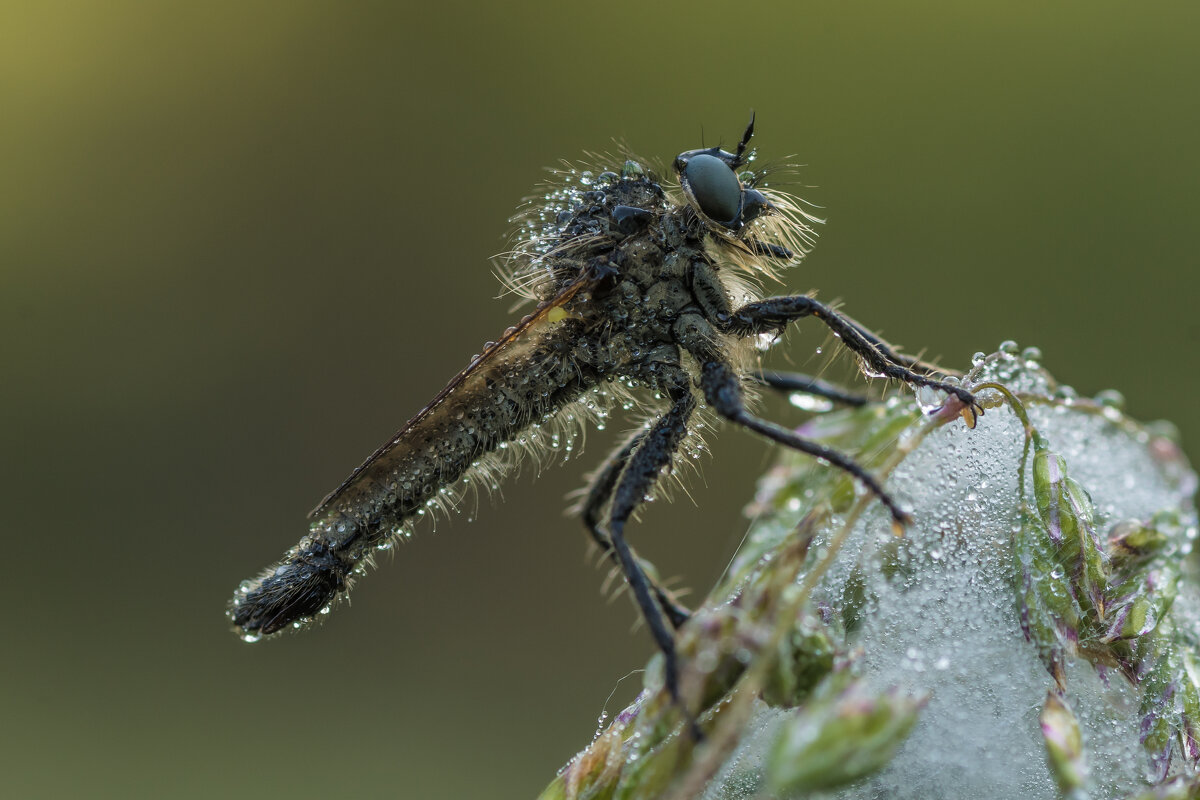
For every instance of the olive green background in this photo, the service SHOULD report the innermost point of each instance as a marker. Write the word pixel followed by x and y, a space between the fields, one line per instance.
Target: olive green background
pixel 241 244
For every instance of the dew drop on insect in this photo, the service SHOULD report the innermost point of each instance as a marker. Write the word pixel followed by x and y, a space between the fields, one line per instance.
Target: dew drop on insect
pixel 978 359
pixel 809 402
pixel 1009 347
pixel 1032 355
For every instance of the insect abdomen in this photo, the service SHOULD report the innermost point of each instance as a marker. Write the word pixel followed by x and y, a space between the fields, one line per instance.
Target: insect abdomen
pixel 519 383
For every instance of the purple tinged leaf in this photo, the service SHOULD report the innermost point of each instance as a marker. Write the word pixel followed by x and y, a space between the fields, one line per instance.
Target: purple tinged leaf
pixel 1067 514
pixel 1064 744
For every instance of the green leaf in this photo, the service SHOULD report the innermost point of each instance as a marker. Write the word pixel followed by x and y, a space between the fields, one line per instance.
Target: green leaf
pixel 1064 745
pixel 1066 512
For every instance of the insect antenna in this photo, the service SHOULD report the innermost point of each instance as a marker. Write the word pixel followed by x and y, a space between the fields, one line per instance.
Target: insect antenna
pixel 744 143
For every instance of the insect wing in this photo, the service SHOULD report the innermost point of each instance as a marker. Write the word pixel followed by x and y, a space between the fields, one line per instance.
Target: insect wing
pixel 545 312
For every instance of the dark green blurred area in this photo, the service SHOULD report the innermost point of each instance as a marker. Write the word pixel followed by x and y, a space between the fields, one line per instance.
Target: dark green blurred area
pixel 241 244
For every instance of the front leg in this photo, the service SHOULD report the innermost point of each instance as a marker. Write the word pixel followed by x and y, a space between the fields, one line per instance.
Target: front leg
pixel 879 360
pixel 714 302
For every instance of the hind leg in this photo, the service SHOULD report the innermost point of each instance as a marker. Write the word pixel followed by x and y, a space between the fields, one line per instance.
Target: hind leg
pixel 600 491
pixel 648 456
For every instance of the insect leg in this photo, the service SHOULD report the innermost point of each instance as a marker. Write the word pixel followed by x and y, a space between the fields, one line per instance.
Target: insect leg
pixel 911 362
pixel 775 313
pixel 599 492
pixel 770 250
pixel 723 390
pixel 646 460
pixel 795 382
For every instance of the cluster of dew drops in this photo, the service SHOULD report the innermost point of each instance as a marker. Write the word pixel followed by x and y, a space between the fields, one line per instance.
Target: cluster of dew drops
pixel 543 229
pixel 1012 363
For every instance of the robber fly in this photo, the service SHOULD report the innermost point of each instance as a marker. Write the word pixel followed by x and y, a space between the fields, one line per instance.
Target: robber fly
pixel 635 282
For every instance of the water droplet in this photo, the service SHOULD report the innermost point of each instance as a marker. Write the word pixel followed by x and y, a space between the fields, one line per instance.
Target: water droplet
pixel 809 402
pixel 928 398
pixel 1111 398
pixel 1067 393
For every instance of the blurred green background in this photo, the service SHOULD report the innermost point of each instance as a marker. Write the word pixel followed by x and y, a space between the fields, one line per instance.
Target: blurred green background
pixel 241 243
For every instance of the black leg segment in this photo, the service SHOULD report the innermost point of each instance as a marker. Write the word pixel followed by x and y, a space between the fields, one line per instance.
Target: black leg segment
pixel 770 250
pixel 646 461
pixel 796 382
pixel 598 495
pixel 774 313
pixel 723 390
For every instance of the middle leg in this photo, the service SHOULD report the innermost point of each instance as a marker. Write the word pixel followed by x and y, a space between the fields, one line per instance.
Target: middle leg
pixel 722 388
pixel 806 384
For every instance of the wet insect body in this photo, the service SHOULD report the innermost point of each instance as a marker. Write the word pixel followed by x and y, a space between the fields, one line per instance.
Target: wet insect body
pixel 638 289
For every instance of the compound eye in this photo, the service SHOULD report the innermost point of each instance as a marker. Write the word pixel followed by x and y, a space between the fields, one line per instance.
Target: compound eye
pixel 714 187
